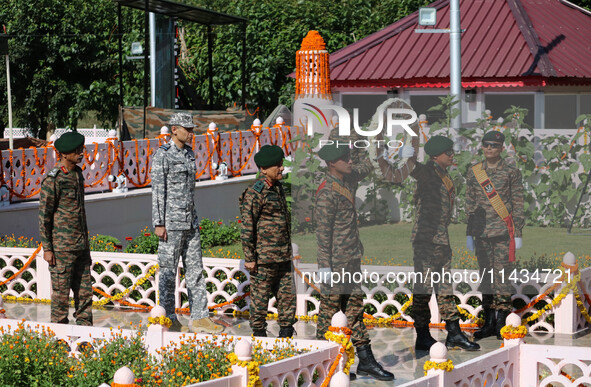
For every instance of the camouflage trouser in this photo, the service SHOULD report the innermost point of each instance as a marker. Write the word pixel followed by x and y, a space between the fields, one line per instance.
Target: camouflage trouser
pixel 71 271
pixel 493 254
pixel 352 306
pixel 429 258
pixel 185 244
pixel 274 279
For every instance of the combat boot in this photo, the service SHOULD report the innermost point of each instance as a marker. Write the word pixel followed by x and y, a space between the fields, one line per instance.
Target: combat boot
pixel 424 339
pixel 490 324
pixel 286 331
pixel 178 327
pixel 456 338
pixel 259 333
pixel 205 325
pixel 501 317
pixel 369 366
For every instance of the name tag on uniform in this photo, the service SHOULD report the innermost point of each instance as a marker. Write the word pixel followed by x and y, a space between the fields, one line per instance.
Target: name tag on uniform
pixel 273 198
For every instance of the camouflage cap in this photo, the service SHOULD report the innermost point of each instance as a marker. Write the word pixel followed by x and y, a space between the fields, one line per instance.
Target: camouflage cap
pixel 494 135
pixel 332 152
pixel 68 142
pixel 437 145
pixel 268 156
pixel 182 119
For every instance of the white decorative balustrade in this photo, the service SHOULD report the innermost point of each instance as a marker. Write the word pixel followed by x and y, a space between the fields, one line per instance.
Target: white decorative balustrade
pixel 116 273
pixel 22 170
pixel 517 365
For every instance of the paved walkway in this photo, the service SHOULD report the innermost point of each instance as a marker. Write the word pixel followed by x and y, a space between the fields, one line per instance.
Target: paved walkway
pixel 393 347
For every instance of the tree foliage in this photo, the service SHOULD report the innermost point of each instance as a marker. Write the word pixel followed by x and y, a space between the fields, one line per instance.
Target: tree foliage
pixel 274 33
pixel 63 61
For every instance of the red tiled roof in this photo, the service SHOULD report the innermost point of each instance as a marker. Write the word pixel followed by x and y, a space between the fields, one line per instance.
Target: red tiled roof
pixel 505 43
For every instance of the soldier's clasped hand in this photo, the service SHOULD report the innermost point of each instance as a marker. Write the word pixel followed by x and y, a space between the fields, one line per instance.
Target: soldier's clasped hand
pixel 160 232
pixel 49 257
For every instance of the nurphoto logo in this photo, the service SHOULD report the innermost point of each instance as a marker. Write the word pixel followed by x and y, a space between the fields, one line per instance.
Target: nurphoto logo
pixel 395 117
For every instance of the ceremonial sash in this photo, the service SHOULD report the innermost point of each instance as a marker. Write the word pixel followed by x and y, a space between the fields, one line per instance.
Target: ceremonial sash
pixel 498 205
pixel 339 189
pixel 449 185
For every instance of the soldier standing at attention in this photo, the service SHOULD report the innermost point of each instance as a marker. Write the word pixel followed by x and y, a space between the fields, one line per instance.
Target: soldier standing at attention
pixel 434 199
pixel 64 233
pixel 339 248
pixel 266 241
pixel 494 205
pixel 176 224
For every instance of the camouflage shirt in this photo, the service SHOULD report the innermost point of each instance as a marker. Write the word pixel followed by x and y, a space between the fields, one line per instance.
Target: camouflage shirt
pixel 62 217
pixel 335 216
pixel 266 223
pixel 434 204
pixel 173 183
pixel 508 183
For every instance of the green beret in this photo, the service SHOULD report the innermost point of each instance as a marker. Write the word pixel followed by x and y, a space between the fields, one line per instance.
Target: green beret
pixel 437 145
pixel 332 152
pixel 68 142
pixel 494 135
pixel 268 156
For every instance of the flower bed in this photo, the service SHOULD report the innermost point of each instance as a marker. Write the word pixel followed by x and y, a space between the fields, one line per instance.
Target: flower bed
pixel 66 355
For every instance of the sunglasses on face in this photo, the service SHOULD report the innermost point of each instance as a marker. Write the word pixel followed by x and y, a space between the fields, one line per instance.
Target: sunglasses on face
pixel 494 145
pixel 449 152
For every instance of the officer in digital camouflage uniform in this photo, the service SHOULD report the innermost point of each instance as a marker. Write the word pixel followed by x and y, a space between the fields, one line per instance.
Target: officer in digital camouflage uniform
pixel 494 228
pixel 64 233
pixel 434 199
pixel 339 248
pixel 175 222
pixel 266 241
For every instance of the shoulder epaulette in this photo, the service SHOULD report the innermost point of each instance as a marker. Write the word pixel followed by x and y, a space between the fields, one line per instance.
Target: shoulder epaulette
pixel 258 186
pixel 165 146
pixel 53 172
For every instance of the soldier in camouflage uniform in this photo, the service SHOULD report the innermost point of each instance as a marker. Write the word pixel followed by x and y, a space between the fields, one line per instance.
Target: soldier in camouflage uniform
pixel 175 222
pixel 434 199
pixel 339 248
pixel 266 241
pixel 64 233
pixel 496 237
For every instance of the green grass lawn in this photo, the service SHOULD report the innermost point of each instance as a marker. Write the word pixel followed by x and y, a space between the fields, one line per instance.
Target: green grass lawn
pixel 389 245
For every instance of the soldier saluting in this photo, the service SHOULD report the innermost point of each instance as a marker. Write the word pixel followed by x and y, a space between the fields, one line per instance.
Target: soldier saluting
pixel 434 199
pixel 494 205
pixel 64 233
pixel 266 241
pixel 340 249
pixel 176 224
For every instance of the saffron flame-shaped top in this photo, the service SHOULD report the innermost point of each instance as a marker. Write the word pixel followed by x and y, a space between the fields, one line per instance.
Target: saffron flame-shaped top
pixel 313 41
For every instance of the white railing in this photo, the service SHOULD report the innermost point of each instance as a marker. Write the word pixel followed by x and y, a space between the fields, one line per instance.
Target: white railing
pixel 227 279
pixel 23 170
pixel 516 364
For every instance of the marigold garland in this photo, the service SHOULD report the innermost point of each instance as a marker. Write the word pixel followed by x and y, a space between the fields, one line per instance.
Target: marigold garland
pixel 446 366
pixel 161 320
pixel 371 320
pixel 582 308
pixel 346 346
pixel 254 379
pixel 571 286
pixel 510 332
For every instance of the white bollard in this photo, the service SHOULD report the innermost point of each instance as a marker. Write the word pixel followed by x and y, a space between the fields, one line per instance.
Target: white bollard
pixel 437 354
pixel 124 376
pixel 154 336
pixel 340 379
pixel 514 321
pixel 243 351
